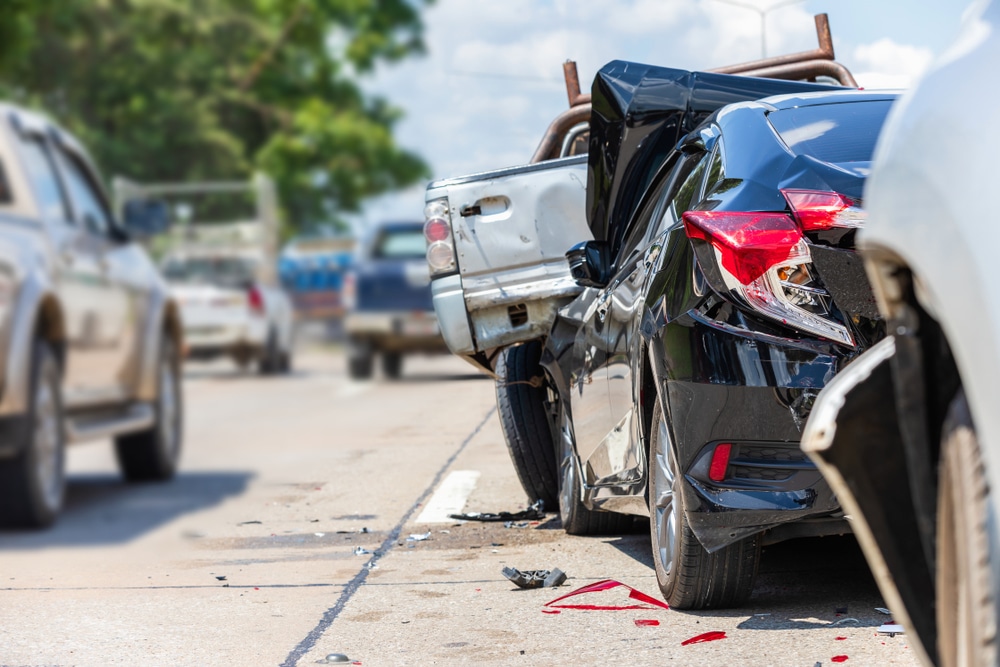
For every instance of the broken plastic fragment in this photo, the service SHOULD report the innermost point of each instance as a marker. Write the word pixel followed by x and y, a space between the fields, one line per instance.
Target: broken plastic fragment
pixel 883 610
pixel 535 578
pixel 646 622
pixel 551 611
pixel 419 537
pixel 221 577
pixel 840 639
pixel 892 629
pixel 847 620
pixel 604 585
pixel 361 551
pixel 535 511
pixel 705 637
pixel 839 658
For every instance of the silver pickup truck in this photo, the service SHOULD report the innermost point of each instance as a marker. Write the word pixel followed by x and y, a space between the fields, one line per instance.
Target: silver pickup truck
pixel 90 340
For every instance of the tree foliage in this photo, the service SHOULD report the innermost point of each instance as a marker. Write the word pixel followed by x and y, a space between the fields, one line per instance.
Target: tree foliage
pixel 168 90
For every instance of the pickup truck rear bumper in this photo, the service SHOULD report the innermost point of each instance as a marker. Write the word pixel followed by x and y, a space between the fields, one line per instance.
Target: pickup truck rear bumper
pixel 449 304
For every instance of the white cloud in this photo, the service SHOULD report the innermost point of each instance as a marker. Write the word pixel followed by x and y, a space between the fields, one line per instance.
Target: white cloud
pixel 887 64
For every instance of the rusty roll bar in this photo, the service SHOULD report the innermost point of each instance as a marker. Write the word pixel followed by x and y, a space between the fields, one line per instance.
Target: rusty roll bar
pixel 809 69
pixel 552 141
pixel 824 52
pixel 573 85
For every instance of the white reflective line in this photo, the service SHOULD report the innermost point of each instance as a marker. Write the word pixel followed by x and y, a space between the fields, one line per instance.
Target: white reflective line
pixel 450 497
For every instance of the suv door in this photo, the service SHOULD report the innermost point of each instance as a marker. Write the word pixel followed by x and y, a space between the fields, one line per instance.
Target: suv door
pixel 104 332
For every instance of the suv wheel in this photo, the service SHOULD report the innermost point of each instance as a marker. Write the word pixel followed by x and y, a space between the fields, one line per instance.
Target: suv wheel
pixel 33 484
pixel 524 420
pixel 392 365
pixel 689 577
pixel 966 618
pixel 153 454
pixel 360 359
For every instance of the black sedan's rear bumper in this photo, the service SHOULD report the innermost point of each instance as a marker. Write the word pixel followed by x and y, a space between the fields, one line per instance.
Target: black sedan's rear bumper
pixel 753 391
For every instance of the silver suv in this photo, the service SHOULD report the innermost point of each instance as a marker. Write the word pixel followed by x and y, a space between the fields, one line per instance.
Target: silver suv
pixel 89 339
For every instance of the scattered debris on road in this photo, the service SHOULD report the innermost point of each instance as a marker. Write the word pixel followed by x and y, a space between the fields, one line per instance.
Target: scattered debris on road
pixel 221 577
pixel 419 537
pixel 839 658
pixel 892 628
pixel 883 610
pixel 535 512
pixel 605 585
pixel 847 620
pixel 335 659
pixel 711 636
pixel 535 578
pixel 361 551
pixel 247 523
pixel 646 622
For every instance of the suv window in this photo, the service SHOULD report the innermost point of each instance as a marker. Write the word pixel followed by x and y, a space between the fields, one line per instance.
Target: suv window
pixel 87 200
pixel 44 182
pixel 842 132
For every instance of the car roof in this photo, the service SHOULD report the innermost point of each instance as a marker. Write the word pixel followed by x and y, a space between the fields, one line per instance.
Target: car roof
pixel 840 96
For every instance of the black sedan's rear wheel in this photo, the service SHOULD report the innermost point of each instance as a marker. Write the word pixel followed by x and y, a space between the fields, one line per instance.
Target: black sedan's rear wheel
pixel 689 577
pixel 524 419
pixel 966 618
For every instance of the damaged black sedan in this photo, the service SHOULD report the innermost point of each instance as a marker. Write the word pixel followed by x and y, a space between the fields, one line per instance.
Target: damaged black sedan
pixel 722 293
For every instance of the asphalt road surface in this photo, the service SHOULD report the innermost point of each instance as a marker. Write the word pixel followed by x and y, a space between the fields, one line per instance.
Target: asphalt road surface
pixel 284 540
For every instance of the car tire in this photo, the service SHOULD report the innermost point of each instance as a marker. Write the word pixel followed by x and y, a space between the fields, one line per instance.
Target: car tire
pixel 392 365
pixel 360 359
pixel 576 518
pixel 690 577
pixel 524 420
pixel 966 618
pixel 33 484
pixel 153 454
pixel 269 362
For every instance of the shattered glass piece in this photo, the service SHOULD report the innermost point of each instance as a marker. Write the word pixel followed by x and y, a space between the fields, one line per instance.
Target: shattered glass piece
pixel 711 636
pixel 847 620
pixel 535 511
pixel 535 578
pixel 883 610
pixel 419 537
pixel 646 622
pixel 604 585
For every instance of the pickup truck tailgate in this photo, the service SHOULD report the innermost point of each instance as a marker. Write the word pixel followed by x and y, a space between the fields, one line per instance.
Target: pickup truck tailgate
pixel 511 230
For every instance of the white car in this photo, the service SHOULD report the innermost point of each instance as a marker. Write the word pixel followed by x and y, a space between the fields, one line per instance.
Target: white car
pixel 229 309
pixel 909 434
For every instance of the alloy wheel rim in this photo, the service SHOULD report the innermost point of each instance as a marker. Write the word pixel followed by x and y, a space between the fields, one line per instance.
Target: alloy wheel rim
pixel 567 469
pixel 663 495
pixel 47 441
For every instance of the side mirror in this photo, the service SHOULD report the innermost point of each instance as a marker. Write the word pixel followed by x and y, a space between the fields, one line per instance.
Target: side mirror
pixel 589 263
pixel 146 217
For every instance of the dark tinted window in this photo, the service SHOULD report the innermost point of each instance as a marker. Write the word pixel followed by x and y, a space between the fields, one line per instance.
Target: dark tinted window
pixel 87 201
pixel 844 132
pixel 401 244
pixel 38 166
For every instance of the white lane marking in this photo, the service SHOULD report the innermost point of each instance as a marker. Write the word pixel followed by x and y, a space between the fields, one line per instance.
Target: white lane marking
pixel 450 497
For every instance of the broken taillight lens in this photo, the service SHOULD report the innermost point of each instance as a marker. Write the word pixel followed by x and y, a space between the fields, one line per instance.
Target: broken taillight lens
pixel 817 210
pixel 437 231
pixel 764 260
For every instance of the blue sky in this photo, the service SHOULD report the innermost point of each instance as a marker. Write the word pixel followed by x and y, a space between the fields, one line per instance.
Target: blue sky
pixel 492 78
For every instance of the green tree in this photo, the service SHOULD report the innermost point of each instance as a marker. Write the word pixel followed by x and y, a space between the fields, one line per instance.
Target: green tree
pixel 213 89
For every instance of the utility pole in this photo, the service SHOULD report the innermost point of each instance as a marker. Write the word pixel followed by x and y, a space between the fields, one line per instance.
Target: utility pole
pixel 763 17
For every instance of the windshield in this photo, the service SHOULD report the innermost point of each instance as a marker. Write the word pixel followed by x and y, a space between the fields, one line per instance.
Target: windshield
pixel 835 133
pixel 401 244
pixel 221 271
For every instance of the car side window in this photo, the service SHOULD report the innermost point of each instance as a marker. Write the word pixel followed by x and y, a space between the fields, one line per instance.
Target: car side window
pixel 44 181
pixel 88 203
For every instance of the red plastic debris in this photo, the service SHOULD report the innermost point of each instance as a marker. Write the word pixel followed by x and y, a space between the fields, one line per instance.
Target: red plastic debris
pixel 644 622
pixel 839 658
pixel 255 588
pixel 608 584
pixel 551 611
pixel 706 637
pixel 840 639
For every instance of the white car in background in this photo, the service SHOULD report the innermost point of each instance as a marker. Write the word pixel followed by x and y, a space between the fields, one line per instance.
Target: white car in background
pixel 909 434
pixel 230 310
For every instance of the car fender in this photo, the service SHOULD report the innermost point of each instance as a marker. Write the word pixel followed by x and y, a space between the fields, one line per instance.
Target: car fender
pixel 162 319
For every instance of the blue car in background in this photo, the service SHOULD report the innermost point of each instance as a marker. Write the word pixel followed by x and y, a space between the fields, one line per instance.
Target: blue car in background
pixel 387 294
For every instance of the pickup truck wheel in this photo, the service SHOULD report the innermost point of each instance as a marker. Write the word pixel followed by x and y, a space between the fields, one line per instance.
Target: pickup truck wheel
pixel 33 484
pixel 524 420
pixel 689 577
pixel 270 359
pixel 392 365
pixel 576 518
pixel 360 359
pixel 153 454
pixel 966 619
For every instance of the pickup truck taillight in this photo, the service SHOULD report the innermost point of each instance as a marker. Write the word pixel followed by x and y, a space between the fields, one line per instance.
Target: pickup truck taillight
pixel 437 231
pixel 255 300
pixel 763 259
